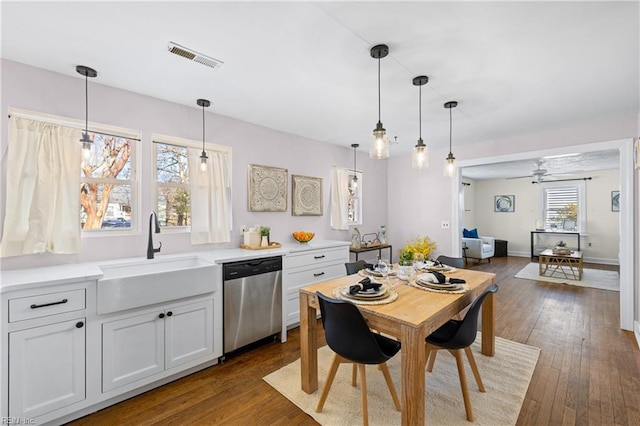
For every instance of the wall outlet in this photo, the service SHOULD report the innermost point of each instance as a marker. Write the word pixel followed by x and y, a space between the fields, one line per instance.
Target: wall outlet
pixel 445 224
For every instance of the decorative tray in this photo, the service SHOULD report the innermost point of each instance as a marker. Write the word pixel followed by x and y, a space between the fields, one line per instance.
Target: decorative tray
pixel 270 246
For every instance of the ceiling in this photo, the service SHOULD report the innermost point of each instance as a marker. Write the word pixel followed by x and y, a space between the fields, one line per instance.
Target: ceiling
pixel 304 67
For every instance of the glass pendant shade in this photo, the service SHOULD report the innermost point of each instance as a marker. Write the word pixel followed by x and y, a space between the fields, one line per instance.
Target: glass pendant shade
pixel 420 156
pixel 450 165
pixel 379 148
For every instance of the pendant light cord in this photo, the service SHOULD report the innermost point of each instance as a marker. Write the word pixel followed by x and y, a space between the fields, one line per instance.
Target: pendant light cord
pixel 420 112
pixel 378 90
pixel 202 128
pixel 86 103
pixel 450 130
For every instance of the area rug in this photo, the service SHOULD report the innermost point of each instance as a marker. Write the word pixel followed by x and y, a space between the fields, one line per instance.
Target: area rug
pixel 595 278
pixel 506 377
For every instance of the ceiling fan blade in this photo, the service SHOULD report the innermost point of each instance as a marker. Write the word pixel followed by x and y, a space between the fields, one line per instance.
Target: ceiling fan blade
pixel 563 180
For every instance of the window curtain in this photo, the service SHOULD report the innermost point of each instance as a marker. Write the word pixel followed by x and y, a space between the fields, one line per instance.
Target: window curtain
pixel 42 212
pixel 339 198
pixel 210 198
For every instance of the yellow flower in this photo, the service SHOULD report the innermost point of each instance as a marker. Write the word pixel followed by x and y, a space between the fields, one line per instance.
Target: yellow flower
pixel 420 245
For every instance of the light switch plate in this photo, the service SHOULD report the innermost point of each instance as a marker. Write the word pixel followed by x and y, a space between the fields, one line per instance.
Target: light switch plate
pixel 445 224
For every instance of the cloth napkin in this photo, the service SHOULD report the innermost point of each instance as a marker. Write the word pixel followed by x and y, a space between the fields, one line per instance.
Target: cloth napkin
pixel 439 278
pixel 364 285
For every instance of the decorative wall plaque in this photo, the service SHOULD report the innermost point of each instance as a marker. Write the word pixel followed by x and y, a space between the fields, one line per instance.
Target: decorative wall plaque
pixel 267 190
pixel 306 196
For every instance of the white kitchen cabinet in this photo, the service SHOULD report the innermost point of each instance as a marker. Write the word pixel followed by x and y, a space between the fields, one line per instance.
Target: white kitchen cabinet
pixel 306 267
pixel 47 368
pixel 141 346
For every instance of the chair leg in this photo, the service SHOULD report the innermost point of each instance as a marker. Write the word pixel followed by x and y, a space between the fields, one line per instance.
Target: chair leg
pixel 392 388
pixel 463 383
pixel 354 375
pixel 474 367
pixel 363 379
pixel 431 356
pixel 332 374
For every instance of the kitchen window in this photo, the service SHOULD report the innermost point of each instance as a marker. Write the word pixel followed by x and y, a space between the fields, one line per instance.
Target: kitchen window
pixel 206 215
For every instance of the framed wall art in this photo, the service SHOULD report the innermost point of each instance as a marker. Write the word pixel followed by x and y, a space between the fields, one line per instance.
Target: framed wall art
pixel 306 196
pixel 267 189
pixel 615 201
pixel 504 203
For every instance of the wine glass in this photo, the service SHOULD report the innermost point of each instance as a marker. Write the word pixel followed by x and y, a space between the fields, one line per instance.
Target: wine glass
pixel 383 268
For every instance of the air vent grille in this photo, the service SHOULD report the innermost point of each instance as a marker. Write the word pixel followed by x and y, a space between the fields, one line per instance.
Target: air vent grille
pixel 194 56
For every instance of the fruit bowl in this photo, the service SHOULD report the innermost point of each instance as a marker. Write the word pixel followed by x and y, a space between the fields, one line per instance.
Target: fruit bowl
pixel 303 236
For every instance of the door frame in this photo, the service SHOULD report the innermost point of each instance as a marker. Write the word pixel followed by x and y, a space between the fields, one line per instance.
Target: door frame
pixel 626 229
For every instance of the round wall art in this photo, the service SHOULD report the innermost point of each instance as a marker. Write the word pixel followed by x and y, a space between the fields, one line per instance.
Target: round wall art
pixel 504 203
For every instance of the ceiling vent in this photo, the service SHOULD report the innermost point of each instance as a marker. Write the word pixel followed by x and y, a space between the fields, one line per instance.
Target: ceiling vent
pixel 192 55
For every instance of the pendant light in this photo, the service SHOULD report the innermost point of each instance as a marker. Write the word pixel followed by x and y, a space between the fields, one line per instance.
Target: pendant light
pixel 203 157
pixel 420 155
pixel 86 141
pixel 379 140
pixel 353 184
pixel 450 161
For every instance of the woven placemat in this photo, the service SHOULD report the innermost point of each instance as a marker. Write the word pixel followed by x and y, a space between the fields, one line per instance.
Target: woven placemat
pixel 393 295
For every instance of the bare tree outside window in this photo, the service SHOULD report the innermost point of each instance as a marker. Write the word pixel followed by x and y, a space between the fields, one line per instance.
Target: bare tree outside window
pixel 105 189
pixel 172 180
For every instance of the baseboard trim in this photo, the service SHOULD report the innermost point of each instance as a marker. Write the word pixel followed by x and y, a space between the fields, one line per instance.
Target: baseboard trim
pixel 637 332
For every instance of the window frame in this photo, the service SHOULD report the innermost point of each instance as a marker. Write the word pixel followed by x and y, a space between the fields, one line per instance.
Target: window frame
pixel 134 158
pixel 580 186
pixel 187 143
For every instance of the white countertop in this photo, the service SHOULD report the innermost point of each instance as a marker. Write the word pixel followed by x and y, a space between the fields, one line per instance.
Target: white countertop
pixel 22 279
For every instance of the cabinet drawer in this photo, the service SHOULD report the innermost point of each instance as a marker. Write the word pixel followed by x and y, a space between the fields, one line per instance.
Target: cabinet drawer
pixel 313 274
pixel 25 308
pixel 316 257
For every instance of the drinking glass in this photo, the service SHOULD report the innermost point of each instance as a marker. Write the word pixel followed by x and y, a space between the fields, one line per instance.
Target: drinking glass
pixel 418 260
pixel 383 268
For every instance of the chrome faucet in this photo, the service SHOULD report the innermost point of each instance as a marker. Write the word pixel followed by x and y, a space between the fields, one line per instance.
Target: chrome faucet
pixel 150 249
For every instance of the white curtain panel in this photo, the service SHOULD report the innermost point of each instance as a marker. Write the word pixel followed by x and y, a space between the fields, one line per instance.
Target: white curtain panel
pixel 339 198
pixel 42 210
pixel 210 198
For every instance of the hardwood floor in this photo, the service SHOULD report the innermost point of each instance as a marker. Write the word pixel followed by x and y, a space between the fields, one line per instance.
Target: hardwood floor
pixel 588 371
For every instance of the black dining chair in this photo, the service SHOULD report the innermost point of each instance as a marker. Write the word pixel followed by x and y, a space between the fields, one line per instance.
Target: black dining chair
pixel 455 335
pixel 348 335
pixel 354 267
pixel 456 262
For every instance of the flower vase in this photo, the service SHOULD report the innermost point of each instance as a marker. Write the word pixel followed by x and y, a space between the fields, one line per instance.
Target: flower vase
pixel 265 241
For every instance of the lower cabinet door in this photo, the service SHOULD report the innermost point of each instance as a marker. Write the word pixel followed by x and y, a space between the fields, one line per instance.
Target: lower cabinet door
pixel 132 349
pixel 46 368
pixel 188 332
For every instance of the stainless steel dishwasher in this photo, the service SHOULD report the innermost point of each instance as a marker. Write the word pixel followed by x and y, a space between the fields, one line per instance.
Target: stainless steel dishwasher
pixel 252 293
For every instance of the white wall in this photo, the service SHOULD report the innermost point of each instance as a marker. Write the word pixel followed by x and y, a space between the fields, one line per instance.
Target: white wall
pixel 34 89
pixel 602 224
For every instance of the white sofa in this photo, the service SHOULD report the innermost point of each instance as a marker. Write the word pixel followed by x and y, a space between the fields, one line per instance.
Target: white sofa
pixel 479 248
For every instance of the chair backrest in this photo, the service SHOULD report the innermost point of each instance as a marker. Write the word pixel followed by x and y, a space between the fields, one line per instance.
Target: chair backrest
pixel 456 262
pixel 354 267
pixel 347 332
pixel 468 327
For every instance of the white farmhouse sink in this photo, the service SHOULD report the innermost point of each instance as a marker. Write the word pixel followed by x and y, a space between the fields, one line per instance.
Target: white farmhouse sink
pixel 130 285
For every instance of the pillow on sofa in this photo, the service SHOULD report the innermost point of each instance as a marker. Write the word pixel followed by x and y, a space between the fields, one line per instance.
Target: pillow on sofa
pixel 470 233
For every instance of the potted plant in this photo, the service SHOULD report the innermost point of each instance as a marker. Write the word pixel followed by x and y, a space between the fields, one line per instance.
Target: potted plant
pixel 406 257
pixel 264 233
pixel 420 245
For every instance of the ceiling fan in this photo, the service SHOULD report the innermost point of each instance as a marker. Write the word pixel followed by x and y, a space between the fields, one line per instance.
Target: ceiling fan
pixel 539 173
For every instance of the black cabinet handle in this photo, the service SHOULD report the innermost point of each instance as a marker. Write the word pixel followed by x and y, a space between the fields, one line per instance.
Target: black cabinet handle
pixel 79 324
pixel 34 306
pixel 319 274
pixel 161 316
pixel 169 313
pixel 319 257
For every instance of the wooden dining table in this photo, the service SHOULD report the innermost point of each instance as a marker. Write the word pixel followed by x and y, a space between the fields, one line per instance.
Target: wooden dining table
pixel 414 315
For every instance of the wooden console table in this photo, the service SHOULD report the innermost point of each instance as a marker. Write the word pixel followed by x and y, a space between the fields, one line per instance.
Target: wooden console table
pixel 567 265
pixel 373 248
